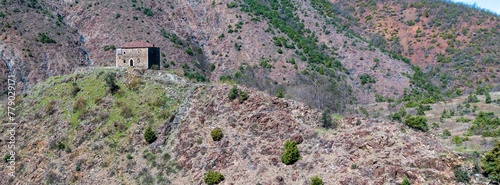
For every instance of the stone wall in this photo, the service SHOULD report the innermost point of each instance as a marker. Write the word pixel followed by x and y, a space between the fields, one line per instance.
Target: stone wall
pixel 132 57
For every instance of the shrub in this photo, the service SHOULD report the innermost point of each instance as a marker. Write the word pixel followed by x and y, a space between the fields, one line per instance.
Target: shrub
pixel 212 177
pixel 237 93
pixel 446 133
pixel 50 107
pixel 111 83
pixel 126 111
pixel 354 165
pixel 60 145
pixel 43 38
pixel 6 157
pixel 410 23
pixel 109 47
pixel 280 93
pixel 457 140
pixel 233 93
pixel 134 84
pixel 79 105
pixel 327 120
pixel 290 153
pixel 366 78
pixel 129 156
pixel 216 134
pixel 406 181
pixel 491 163
pixel 417 122
pixel 231 5
pixel 316 181
pixel 488 98
pixel 461 175
pixel 74 89
pixel 149 135
pixel 189 51
pixel 148 12
pixel 243 96
pixel 472 98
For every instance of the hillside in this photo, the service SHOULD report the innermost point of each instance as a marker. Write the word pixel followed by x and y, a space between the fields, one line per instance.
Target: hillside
pixel 347 49
pixel 372 92
pixel 457 44
pixel 82 129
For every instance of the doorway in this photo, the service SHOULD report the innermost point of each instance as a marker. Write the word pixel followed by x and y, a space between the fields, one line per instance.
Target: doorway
pixel 131 62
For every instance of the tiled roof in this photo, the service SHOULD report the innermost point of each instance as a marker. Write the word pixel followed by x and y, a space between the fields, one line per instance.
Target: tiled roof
pixel 137 44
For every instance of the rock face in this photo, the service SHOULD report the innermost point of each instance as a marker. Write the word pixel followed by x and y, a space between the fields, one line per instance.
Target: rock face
pixel 55 149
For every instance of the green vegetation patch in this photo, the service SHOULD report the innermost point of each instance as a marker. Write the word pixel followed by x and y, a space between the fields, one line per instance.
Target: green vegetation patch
pixel 486 124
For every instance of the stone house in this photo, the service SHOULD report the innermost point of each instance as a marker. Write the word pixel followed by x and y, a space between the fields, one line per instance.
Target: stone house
pixel 138 54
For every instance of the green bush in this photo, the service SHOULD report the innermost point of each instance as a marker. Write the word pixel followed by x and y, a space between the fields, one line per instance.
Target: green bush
pixel 366 78
pixel 461 175
pixel 212 177
pixel 231 5
pixel 291 153
pixel 216 134
pixel 111 83
pixel 280 93
pixel 316 181
pixel 237 93
pixel 486 124
pixel 233 93
pixel 148 12
pixel 109 47
pixel 472 98
pixel 327 120
pixel 488 98
pixel 43 38
pixel 491 163
pixel 457 140
pixel 6 158
pixel 243 96
pixel 410 23
pixel 406 181
pixel 417 122
pixel 446 133
pixel 149 135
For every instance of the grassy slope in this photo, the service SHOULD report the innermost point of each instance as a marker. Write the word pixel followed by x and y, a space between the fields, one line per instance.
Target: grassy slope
pixel 106 123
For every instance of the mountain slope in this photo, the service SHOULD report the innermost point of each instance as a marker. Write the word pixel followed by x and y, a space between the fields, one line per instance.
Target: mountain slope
pixel 223 40
pixel 92 136
pixel 456 44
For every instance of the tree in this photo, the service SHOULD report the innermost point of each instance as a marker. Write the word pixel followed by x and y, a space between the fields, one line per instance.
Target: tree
pixel 149 135
pixel 291 153
pixel 491 163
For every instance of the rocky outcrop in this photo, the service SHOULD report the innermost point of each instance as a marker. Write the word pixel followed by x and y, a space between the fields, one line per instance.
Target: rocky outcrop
pixel 359 151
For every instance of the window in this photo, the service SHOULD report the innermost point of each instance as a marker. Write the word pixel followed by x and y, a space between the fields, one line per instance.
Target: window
pixel 124 61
